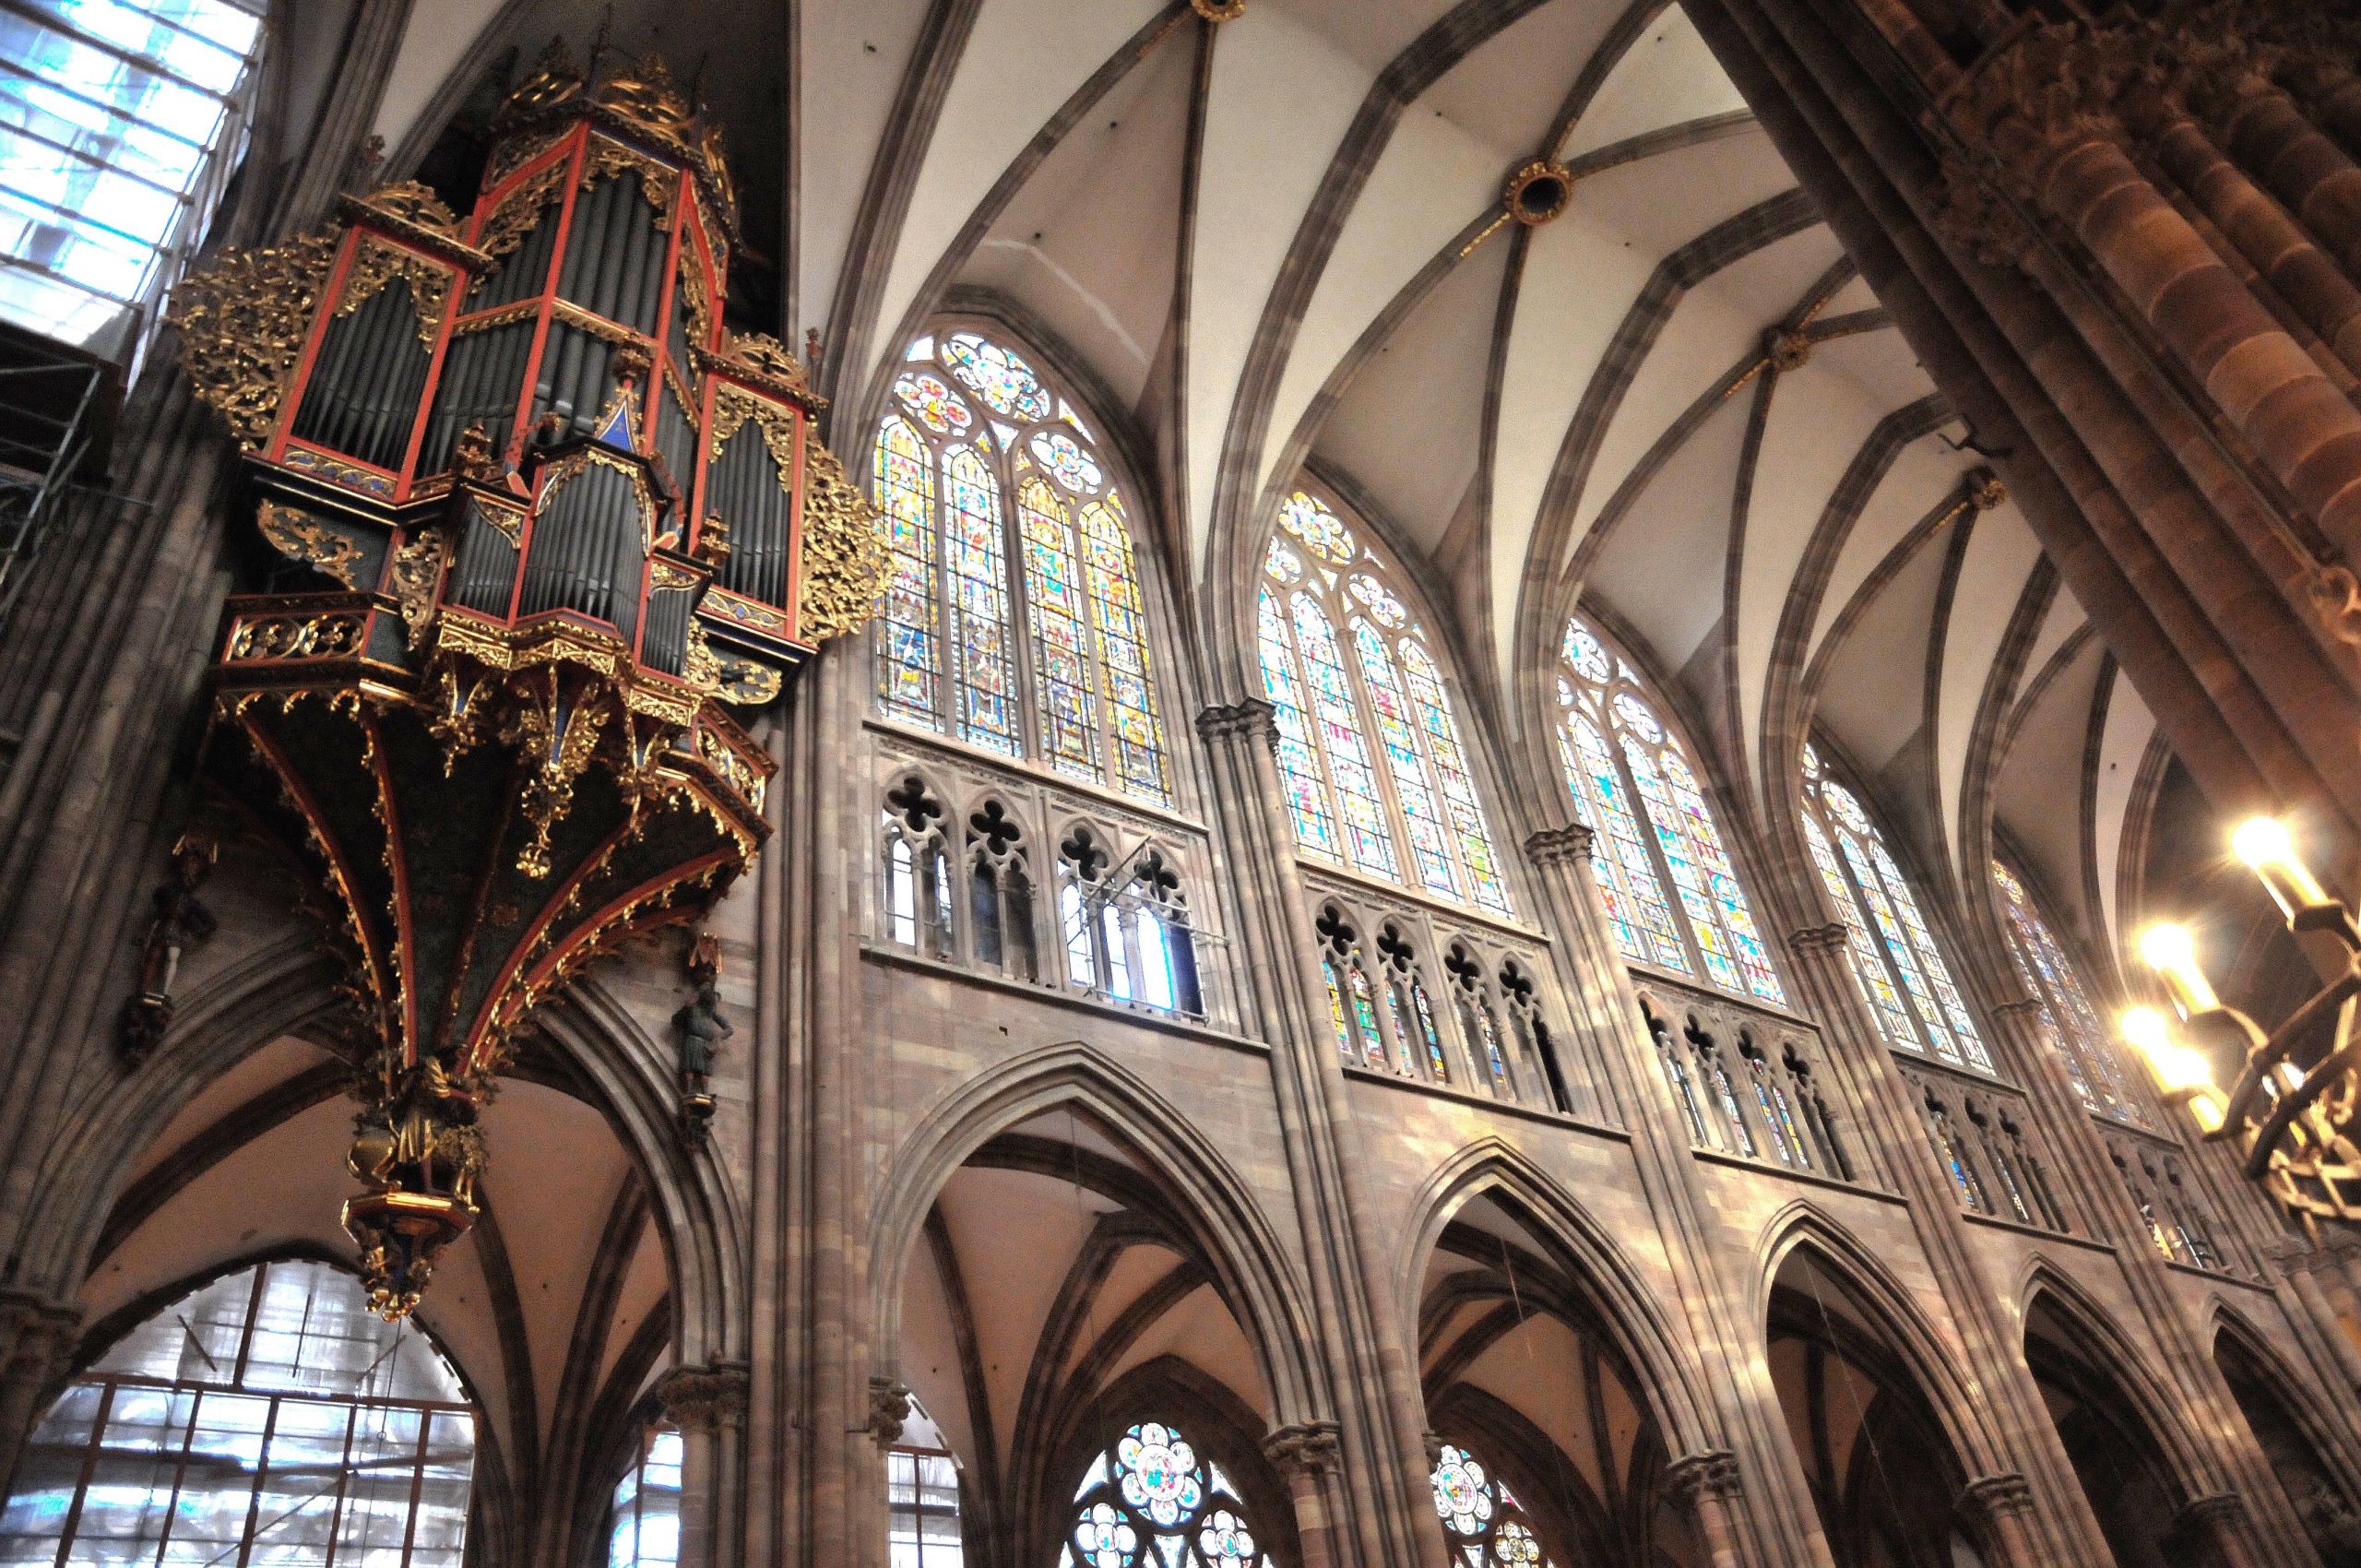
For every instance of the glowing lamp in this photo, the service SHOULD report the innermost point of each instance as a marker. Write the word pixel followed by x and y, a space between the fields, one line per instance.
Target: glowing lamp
pixel 2171 951
pixel 2262 842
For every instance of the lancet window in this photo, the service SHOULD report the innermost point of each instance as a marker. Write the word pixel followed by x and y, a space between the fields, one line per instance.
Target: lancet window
pixel 2067 1019
pixel 917 897
pixel 1377 774
pixel 1126 929
pixel 1152 1501
pixel 1015 618
pixel 1907 984
pixel 1482 1520
pixel 922 1508
pixel 643 1528
pixel 999 894
pixel 121 124
pixel 269 1416
pixel 1634 789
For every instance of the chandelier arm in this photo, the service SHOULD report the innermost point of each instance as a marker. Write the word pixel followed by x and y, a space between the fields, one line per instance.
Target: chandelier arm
pixel 2295 1101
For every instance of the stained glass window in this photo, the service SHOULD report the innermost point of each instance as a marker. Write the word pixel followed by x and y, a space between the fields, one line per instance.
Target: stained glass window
pixel 1344 664
pixel 992 498
pixel 1902 973
pixel 1152 1501
pixel 1634 789
pixel 1483 1523
pixel 2067 1019
pixel 120 123
pixel 266 1416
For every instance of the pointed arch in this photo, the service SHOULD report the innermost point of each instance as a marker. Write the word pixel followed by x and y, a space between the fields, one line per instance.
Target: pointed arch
pixel 2328 1447
pixel 1643 1333
pixel 1803 1227
pixel 2108 1352
pixel 1203 1199
pixel 1018 615
pixel 1373 753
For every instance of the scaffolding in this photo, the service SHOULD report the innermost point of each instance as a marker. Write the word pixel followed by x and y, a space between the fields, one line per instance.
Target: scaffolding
pixel 54 408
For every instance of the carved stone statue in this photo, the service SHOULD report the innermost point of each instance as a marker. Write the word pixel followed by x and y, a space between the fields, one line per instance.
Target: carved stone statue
pixel 702 1028
pixel 181 921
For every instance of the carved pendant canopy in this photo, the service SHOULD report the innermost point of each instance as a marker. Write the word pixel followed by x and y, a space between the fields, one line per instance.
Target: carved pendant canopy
pixel 561 518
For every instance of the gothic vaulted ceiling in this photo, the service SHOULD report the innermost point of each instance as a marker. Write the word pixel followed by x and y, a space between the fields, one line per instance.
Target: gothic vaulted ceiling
pixel 1275 242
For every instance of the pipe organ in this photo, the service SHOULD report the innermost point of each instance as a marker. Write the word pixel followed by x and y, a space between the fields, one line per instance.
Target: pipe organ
pixel 556 521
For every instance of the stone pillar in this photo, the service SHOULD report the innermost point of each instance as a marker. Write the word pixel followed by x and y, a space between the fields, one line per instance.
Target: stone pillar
pixel 1308 1456
pixel 2326 1298
pixel 35 1340
pixel 1998 1510
pixel 1379 1409
pixel 708 1405
pixel 2261 125
pixel 1707 1487
pixel 2214 1531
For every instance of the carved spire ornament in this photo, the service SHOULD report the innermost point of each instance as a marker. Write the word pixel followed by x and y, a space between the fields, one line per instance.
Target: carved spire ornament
pixel 562 517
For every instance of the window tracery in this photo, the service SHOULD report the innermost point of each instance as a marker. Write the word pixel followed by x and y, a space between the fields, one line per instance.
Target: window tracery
pixel 1345 666
pixel 994 497
pixel 1634 788
pixel 1152 1501
pixel 1482 1521
pixel 269 1416
pixel 917 898
pixel 2067 1019
pixel 1126 929
pixel 1892 950
pixel 999 893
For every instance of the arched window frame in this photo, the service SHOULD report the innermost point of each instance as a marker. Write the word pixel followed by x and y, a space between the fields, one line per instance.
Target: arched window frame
pixel 1485 1525
pixel 1374 752
pixel 1124 924
pixel 1016 635
pixel 2069 1020
pixel 1000 931
pixel 1654 827
pixel 918 904
pixel 119 1414
pixel 1118 1512
pixel 1901 972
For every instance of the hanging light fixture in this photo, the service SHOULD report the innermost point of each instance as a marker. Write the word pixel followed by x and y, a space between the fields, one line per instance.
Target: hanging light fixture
pixel 2294 1103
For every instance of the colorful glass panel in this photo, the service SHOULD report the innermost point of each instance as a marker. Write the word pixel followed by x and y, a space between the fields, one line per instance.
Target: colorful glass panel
pixel 909 662
pixel 1868 969
pixel 997 375
pixel 1646 779
pixel 1314 524
pixel 1365 1015
pixel 1483 1523
pixel 1451 773
pixel 975 524
pixel 1429 845
pixel 1336 1010
pixel 1310 804
pixel 2051 977
pixel 1370 843
pixel 1930 960
pixel 1153 1500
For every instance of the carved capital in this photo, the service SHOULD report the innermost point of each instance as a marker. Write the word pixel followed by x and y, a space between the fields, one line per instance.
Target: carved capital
pixel 1988 1499
pixel 1306 1448
pixel 701 1398
pixel 2017 1008
pixel 1829 938
pixel 1253 718
pixel 2217 1514
pixel 1560 846
pixel 1714 1473
pixel 36 1334
pixel 889 1411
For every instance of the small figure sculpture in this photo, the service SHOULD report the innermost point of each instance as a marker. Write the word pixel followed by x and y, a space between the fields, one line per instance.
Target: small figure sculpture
pixel 181 922
pixel 702 1030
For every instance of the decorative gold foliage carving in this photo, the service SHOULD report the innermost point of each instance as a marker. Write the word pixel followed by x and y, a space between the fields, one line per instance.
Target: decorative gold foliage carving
pixel 414 204
pixel 241 327
pixel 612 158
pixel 694 302
pixel 732 407
pixel 417 566
pixel 519 211
pixel 844 553
pixel 768 358
pixel 376 264
pixel 299 536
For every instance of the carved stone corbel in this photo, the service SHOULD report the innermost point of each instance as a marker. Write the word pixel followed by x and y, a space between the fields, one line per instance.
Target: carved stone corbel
pixel 1306 1448
pixel 1252 717
pixel 1561 846
pixel 1713 1473
pixel 889 1411
pixel 1829 938
pixel 702 1398
pixel 1988 1500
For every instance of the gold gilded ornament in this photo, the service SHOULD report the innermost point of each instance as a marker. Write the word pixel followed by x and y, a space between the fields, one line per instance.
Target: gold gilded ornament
pixel 376 264
pixel 242 326
pixel 299 536
pixel 844 553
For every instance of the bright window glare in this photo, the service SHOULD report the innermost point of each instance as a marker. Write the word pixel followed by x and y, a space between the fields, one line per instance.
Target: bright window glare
pixel 111 113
